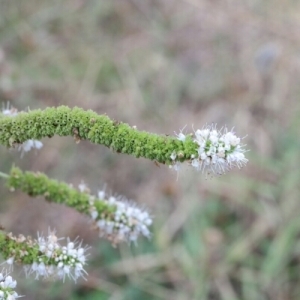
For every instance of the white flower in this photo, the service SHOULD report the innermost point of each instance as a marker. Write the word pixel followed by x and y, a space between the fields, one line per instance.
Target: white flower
pixel 123 221
pixel 181 136
pixel 48 258
pixel 9 111
pixel 10 260
pixel 7 286
pixel 30 144
pixel 173 155
pixel 82 187
pixel 176 166
pixel 57 261
pixel 218 151
pixel 101 194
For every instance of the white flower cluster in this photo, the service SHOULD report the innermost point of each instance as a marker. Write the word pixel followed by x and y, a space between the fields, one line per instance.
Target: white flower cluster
pixel 7 286
pixel 218 151
pixel 30 144
pixel 27 145
pixel 57 261
pixel 121 221
pixel 9 111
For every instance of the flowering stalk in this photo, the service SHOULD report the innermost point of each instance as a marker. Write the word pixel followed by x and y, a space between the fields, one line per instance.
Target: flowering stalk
pixel 205 149
pixel 115 218
pixel 44 257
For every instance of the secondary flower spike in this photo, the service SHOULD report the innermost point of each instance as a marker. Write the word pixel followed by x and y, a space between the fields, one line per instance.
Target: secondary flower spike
pixel 44 257
pixel 116 218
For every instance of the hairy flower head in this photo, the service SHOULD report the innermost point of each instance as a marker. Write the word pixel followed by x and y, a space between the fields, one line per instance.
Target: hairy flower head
pixel 123 220
pixel 217 151
pixel 7 286
pixel 8 110
pixel 45 257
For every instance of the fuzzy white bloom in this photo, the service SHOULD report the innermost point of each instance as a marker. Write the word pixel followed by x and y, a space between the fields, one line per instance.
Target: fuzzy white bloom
pixel 10 261
pixel 123 221
pixel 7 286
pixel 56 261
pixel 82 187
pixel 175 166
pixel 10 111
pixel 30 144
pixel 181 136
pixel 218 151
pixel 173 155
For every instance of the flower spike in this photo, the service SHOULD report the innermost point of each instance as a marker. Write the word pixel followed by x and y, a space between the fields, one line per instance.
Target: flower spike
pixel 116 218
pixel 45 257
pixel 207 149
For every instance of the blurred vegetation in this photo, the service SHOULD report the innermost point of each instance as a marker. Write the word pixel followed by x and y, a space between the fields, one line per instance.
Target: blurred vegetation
pixel 160 65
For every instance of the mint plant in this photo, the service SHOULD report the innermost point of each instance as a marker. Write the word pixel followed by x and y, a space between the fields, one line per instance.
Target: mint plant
pixel 208 150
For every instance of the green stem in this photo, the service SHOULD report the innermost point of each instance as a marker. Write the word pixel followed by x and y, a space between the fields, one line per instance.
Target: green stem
pixel 14 247
pixel 98 129
pixel 38 184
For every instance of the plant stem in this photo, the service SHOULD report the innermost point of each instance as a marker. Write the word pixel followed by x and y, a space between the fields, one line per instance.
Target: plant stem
pixel 98 129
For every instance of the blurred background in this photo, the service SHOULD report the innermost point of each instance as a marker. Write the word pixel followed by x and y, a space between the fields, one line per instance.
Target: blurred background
pixel 161 65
